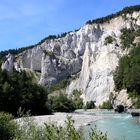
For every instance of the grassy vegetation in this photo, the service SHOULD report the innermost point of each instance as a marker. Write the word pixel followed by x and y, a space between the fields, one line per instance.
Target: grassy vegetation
pixel 35 75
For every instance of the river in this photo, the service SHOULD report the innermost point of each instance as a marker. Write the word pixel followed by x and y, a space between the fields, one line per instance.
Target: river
pixel 118 126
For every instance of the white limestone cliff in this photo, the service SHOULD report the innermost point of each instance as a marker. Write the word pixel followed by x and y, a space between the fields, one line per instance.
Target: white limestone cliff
pixel 9 63
pixel 84 52
pixel 122 98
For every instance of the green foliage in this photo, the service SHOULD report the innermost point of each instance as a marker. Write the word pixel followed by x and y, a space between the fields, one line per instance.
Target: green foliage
pixel 52 132
pixel 97 135
pixel 126 10
pixel 17 90
pixel 71 132
pixel 127 73
pixel 61 85
pixel 35 75
pixel 8 128
pixel 106 105
pixel 137 32
pixel 127 38
pixel 90 105
pixel 31 131
pixel 77 100
pixel 62 103
pixel 109 40
pixel 135 98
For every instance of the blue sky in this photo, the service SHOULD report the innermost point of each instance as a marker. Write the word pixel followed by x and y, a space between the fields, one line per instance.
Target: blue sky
pixel 25 22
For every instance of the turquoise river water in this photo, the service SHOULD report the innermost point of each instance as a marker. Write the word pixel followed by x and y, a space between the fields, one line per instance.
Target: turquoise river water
pixel 118 126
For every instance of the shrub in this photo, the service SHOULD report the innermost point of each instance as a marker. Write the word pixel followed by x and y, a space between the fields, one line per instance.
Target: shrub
pixel 77 100
pixel 135 98
pixel 61 103
pixel 97 135
pixel 106 105
pixel 8 128
pixel 109 40
pixel 61 85
pixel 90 105
pixel 30 131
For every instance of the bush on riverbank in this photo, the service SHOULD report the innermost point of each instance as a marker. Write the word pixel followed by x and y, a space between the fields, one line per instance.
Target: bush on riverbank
pixel 90 105
pixel 106 105
pixel 77 100
pixel 29 130
pixel 61 103
pixel 8 128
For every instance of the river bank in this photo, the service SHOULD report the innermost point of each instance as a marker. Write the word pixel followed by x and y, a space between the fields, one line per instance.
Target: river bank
pixel 80 117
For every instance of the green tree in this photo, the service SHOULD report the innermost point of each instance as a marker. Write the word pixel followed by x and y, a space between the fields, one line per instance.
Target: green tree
pixel 62 103
pixel 77 100
pixel 106 105
pixel 17 90
pixel 90 105
pixel 127 73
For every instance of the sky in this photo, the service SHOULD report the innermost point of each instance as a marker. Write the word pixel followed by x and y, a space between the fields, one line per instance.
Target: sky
pixel 26 22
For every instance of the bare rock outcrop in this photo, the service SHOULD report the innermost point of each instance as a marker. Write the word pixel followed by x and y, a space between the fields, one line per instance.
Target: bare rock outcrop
pixel 83 51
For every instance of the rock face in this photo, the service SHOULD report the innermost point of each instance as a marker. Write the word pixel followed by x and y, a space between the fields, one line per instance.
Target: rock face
pixel 121 98
pixel 84 52
pixel 9 63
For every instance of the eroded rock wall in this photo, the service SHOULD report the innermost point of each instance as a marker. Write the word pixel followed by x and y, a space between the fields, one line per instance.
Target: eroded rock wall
pixel 84 52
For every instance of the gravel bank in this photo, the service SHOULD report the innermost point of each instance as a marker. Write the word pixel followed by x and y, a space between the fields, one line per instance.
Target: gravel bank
pixel 81 118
